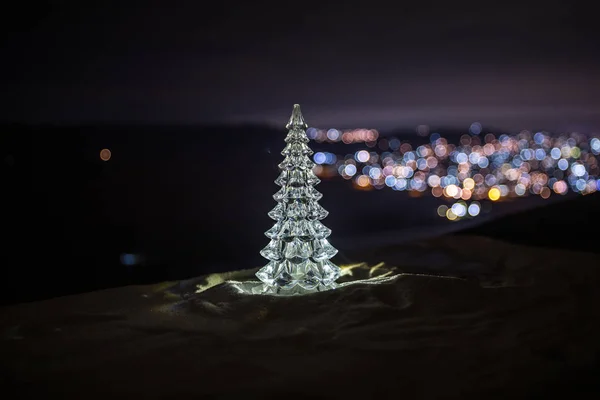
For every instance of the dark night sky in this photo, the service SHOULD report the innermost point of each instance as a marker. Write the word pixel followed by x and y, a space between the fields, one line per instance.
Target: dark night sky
pixel 381 65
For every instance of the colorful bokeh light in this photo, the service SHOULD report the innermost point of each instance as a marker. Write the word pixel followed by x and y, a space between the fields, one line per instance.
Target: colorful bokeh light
pixel 478 167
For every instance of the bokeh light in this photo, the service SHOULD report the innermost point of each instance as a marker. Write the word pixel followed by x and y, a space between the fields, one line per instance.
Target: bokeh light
pixel 474 209
pixel 105 154
pixel 469 172
pixel 494 194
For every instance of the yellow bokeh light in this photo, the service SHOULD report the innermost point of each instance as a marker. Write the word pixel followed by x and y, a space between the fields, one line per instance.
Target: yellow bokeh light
pixel 469 183
pixel 450 215
pixel 575 152
pixel 362 181
pixel 494 194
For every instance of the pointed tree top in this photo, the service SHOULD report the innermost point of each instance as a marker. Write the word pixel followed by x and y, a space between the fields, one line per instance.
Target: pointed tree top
pixel 296 120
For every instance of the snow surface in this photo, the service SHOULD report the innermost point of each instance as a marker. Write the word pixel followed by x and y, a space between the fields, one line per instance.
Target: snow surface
pixel 478 319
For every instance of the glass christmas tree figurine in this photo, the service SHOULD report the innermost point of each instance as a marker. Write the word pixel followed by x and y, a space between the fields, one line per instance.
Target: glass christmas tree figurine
pixel 299 251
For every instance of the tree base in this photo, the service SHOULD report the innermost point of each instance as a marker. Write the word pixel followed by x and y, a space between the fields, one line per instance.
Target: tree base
pixel 254 287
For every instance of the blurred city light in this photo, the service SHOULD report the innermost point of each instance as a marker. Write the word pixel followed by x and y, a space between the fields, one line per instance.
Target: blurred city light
pixel 478 167
pixel 105 154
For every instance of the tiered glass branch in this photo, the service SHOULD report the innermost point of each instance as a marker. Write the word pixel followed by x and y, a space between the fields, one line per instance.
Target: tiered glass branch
pixel 299 251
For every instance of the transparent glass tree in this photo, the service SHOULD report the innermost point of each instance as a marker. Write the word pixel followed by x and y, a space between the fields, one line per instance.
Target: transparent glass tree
pixel 299 251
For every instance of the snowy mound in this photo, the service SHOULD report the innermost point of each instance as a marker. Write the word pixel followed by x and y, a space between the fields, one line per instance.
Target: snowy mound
pixel 503 321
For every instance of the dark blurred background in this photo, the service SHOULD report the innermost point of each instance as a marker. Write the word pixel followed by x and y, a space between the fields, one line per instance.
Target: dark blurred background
pixel 192 99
